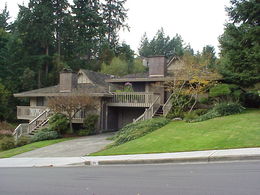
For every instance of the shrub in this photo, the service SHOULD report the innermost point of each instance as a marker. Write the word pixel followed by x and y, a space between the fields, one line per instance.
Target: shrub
pixel 90 123
pixel 251 99
pixel 189 116
pixel 45 134
pixel 180 107
pixel 204 100
pixel 135 130
pixel 222 109
pixel 23 140
pixel 225 109
pixel 219 90
pixel 59 123
pixel 7 143
pixel 200 112
pixel 83 132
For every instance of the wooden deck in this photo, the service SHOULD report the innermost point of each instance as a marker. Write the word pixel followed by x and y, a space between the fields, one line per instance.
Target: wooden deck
pixel 132 99
pixel 29 112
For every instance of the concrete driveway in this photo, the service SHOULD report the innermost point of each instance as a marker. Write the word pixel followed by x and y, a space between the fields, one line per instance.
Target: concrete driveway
pixel 72 148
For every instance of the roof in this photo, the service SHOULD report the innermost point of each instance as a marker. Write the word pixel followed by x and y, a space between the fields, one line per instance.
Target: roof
pixel 98 87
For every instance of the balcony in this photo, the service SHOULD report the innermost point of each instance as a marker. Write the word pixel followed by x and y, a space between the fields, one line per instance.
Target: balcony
pixel 29 112
pixel 132 99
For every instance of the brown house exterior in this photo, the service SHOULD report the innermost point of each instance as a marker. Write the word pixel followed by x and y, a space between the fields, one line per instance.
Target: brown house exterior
pixel 115 109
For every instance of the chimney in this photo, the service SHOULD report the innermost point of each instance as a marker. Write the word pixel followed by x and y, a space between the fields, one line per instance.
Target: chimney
pixel 157 66
pixel 68 80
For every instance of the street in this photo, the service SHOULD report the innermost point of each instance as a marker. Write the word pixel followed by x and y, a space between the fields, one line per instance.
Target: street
pixel 214 178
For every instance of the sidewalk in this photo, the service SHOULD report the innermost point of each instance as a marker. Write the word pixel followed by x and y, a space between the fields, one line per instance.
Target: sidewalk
pixel 178 157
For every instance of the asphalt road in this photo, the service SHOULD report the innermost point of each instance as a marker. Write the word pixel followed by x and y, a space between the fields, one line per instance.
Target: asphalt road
pixel 214 178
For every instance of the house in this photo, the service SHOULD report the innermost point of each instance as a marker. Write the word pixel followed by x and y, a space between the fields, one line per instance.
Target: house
pixel 115 109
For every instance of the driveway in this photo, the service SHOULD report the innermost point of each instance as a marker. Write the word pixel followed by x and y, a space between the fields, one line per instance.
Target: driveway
pixel 72 148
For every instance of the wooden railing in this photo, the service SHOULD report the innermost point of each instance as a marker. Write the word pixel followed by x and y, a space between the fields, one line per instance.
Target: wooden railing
pixel 134 99
pixel 20 130
pixel 167 106
pixel 150 112
pixel 38 121
pixel 27 112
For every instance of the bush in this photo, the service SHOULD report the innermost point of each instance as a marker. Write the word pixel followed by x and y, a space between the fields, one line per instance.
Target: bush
pixel 180 107
pixel 90 123
pixel 23 140
pixel 200 112
pixel 7 143
pixel 219 90
pixel 189 116
pixel 83 132
pixel 59 123
pixel 222 109
pixel 135 130
pixel 45 134
pixel 251 99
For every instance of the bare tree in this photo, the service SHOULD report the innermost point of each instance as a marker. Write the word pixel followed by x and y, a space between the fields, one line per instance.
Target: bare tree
pixel 71 105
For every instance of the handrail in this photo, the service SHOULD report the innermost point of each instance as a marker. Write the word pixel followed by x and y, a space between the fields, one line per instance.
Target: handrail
pixel 132 99
pixel 34 123
pixel 18 132
pixel 150 112
pixel 167 106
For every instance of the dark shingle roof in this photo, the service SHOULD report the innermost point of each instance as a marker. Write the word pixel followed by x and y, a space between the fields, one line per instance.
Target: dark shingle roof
pixel 98 87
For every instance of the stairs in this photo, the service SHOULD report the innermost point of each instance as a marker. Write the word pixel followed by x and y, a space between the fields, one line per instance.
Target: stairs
pixel 35 125
pixel 159 112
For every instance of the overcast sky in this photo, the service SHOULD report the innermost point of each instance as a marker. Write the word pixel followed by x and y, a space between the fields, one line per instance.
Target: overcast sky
pixel 199 22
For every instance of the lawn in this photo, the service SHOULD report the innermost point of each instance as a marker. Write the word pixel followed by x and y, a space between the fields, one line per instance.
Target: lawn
pixel 235 131
pixel 30 147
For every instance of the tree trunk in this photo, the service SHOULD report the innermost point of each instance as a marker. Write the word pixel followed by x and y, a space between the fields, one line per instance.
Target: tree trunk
pixel 46 64
pixel 39 79
pixel 71 127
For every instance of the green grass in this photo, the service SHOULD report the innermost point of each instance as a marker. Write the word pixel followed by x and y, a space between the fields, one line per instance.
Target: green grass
pixel 30 147
pixel 234 131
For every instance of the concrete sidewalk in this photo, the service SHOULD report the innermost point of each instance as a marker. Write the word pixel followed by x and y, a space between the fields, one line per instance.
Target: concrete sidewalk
pixel 178 157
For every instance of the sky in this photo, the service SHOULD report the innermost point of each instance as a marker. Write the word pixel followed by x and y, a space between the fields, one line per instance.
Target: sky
pixel 199 22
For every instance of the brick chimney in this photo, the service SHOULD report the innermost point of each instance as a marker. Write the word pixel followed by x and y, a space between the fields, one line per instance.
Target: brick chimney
pixel 68 80
pixel 157 66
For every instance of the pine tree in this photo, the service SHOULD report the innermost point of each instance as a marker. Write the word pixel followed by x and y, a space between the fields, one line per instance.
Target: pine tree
pixel 240 43
pixel 4 17
pixel 88 27
pixel 114 16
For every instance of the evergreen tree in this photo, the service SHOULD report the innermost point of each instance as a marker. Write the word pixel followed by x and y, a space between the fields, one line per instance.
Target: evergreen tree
pixel 4 17
pixel 88 27
pixel 114 16
pixel 161 45
pixel 240 43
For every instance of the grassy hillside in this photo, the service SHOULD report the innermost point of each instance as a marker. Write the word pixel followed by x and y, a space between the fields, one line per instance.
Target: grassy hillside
pixel 235 131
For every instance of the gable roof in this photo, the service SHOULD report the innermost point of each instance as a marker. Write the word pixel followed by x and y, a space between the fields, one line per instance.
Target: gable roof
pixel 98 87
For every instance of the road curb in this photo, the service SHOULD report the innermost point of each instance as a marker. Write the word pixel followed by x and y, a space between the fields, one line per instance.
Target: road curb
pixel 173 160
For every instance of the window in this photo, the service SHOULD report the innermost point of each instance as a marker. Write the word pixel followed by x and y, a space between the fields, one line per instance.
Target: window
pixel 40 101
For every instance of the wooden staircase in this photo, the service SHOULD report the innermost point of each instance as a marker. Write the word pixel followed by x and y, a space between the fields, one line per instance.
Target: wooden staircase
pixel 156 110
pixel 35 125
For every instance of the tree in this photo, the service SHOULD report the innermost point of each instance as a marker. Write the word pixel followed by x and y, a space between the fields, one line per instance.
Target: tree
pixel 71 105
pixel 240 45
pixel 4 100
pixel 60 9
pixel 193 79
pixel 4 17
pixel 208 56
pixel 117 67
pixel 114 17
pixel 88 26
pixel 161 45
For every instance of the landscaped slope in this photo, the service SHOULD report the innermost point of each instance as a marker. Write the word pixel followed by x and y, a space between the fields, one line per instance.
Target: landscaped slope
pixel 235 131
